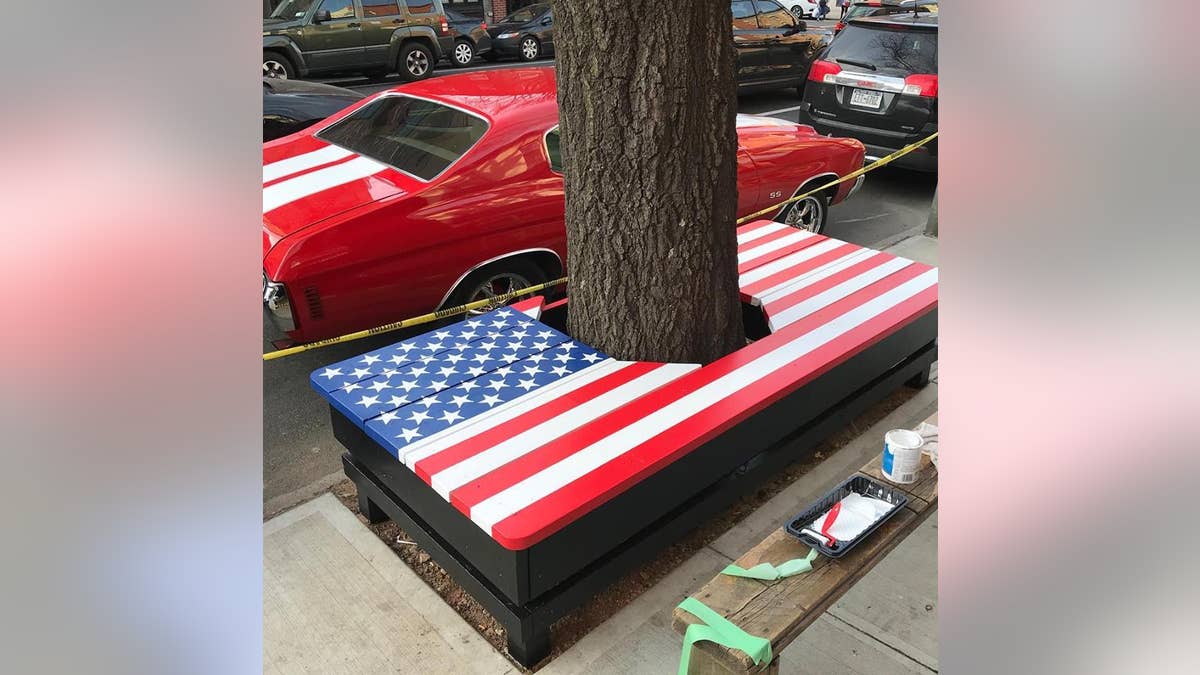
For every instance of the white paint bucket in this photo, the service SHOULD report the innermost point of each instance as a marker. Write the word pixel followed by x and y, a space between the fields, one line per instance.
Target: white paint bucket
pixel 901 455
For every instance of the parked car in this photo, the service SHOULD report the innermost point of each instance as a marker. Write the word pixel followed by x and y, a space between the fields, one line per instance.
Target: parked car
pixel 773 48
pixel 864 8
pixel 802 9
pixel 312 37
pixel 441 192
pixel 878 82
pixel 468 37
pixel 527 34
pixel 292 105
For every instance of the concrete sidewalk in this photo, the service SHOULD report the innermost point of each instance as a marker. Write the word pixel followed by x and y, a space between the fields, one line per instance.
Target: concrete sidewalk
pixel 337 599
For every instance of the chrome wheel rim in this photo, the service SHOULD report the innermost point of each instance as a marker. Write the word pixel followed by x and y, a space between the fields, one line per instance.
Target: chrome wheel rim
pixel 463 53
pixel 417 63
pixel 494 286
pixel 805 214
pixel 529 48
pixel 274 69
pixel 797 12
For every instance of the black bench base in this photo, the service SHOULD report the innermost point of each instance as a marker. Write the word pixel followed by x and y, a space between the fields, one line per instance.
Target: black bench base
pixel 526 591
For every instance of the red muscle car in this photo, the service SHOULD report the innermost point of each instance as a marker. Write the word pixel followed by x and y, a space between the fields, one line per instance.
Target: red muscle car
pixel 449 190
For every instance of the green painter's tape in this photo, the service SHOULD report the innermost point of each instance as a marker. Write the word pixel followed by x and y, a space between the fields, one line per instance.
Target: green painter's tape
pixel 720 631
pixel 769 572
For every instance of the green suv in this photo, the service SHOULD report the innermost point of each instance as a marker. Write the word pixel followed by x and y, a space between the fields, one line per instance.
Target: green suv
pixel 376 37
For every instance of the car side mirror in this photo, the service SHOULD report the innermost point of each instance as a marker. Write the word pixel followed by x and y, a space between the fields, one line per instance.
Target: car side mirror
pixel 321 16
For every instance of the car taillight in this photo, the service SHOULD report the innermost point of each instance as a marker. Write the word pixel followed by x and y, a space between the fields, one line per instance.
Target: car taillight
pixel 483 25
pixel 445 26
pixel 823 71
pixel 921 85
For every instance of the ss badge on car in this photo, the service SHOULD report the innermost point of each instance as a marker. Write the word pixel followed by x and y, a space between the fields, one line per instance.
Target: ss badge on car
pixel 776 194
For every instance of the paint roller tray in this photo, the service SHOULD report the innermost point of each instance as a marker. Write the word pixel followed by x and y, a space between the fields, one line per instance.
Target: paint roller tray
pixel 863 486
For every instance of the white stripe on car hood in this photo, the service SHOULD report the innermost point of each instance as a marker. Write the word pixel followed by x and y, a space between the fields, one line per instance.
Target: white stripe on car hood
pixel 291 165
pixel 313 182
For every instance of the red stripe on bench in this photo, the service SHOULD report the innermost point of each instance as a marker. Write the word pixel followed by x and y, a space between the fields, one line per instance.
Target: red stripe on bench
pixel 804 267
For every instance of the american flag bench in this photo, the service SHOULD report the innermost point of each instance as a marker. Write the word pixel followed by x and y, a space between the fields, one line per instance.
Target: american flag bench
pixel 536 470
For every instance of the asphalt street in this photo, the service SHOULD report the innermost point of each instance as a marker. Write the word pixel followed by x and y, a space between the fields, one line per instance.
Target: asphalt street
pixel 300 455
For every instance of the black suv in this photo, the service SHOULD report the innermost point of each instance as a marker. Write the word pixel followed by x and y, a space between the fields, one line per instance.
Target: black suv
pixel 773 49
pixel 878 82
pixel 310 37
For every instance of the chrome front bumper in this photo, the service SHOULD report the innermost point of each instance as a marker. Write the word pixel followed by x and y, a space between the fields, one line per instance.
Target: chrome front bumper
pixel 276 305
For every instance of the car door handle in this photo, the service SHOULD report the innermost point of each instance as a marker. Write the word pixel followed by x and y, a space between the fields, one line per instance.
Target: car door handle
pixel 397 20
pixel 354 25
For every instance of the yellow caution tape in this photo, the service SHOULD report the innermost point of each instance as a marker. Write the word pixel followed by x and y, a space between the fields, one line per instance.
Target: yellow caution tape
pixel 850 176
pixel 479 304
pixel 415 321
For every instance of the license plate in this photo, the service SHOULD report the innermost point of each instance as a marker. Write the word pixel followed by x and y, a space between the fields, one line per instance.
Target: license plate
pixel 866 98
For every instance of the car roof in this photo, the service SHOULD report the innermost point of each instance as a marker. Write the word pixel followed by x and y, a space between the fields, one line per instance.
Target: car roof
pixel 921 20
pixel 291 87
pixel 498 94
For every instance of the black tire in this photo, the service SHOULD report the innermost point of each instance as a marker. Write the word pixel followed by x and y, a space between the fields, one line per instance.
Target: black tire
pixel 529 49
pixel 522 271
pixel 798 13
pixel 810 214
pixel 463 54
pixel 415 62
pixel 278 65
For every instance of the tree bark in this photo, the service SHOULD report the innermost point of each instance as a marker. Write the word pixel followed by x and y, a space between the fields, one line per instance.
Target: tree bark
pixel 647 116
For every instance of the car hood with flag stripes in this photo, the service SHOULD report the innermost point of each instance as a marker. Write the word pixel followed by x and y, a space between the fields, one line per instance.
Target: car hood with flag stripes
pixel 306 181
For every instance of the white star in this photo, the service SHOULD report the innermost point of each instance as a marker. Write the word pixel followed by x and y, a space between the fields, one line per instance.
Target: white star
pixel 531 370
pixel 567 345
pixel 428 402
pixel 474 323
pixel 397 359
pixel 563 358
pixel 409 434
pixel 388 416
pixel 447 371
pixel 450 416
pixel 360 372
pixel 467 334
pixel 537 358
pixel 397 401
pixel 559 370
pixel 433 346
pixel 545 334
pixel 520 334
pixel 406 346
pixel 407 385
pixel 461 345
pixel 591 357
pixel 468 385
pixel 503 312
pixel 475 371
pixel 499 323
pixel 459 401
pixel 490 399
pixel 351 387
pixel 417 372
pixel 370 358
pixel 510 357
pixel 506 370
pixel 454 358
pixel 419 416
pixel 486 346
pixel 496 384
pixel 427 359
pixel 442 334
pixel 541 344
pixel 331 373
pixel 527 384
pixel 388 372
pixel 368 401
pixel 481 358
pixel 378 385
pixel 439 385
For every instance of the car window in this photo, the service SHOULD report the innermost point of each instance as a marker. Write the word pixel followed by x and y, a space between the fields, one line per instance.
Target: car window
pixel 420 6
pixel 338 9
pixel 380 8
pixel 292 9
pixel 772 15
pixel 903 49
pixel 743 15
pixel 419 137
pixel 554 150
pixel 524 15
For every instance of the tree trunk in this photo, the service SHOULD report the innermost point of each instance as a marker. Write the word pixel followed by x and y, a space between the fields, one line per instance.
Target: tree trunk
pixel 647 108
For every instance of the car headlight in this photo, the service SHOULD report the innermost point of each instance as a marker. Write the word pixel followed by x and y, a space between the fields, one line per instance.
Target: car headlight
pixel 504 36
pixel 275 301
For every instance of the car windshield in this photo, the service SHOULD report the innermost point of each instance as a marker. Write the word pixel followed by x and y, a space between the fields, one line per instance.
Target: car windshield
pixel 525 15
pixel 292 9
pixel 418 137
pixel 902 49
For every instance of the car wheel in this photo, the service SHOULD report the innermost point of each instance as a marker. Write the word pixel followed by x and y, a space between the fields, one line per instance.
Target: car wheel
pixel 494 280
pixel 809 214
pixel 530 48
pixel 277 66
pixel 463 54
pixel 798 13
pixel 416 62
